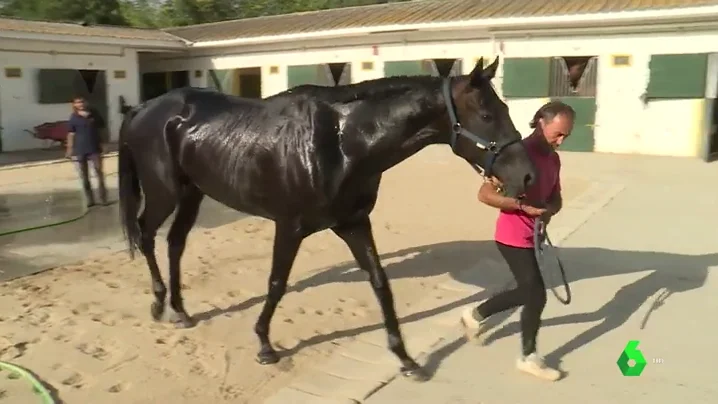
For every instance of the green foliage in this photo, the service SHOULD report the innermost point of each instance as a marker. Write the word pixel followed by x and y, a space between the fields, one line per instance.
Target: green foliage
pixel 105 12
pixel 163 13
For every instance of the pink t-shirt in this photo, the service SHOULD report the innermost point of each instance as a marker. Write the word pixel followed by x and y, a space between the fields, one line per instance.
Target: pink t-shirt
pixel 516 228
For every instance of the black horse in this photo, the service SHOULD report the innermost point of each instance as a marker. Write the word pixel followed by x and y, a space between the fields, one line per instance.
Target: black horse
pixel 309 159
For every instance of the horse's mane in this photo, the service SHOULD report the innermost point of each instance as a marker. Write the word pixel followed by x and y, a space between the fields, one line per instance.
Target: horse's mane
pixel 378 89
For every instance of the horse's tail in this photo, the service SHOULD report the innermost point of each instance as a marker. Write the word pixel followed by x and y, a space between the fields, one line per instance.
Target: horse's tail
pixel 129 187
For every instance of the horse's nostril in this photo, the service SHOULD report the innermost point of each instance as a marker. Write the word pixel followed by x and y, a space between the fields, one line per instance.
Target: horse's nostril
pixel 528 180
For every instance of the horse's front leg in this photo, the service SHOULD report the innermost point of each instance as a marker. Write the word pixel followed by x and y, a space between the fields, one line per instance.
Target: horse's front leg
pixel 358 236
pixel 286 244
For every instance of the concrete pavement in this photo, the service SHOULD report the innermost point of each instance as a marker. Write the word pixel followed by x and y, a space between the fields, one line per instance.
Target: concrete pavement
pixel 639 247
pixel 642 268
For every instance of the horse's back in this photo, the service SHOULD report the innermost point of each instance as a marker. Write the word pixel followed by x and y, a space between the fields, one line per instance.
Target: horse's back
pixel 256 156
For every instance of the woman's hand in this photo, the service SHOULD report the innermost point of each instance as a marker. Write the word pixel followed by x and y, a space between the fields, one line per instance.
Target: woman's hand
pixel 532 210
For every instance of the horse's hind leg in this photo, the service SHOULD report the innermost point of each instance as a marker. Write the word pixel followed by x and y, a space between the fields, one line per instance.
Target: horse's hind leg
pixel 360 240
pixel 286 244
pixel 157 209
pixel 189 204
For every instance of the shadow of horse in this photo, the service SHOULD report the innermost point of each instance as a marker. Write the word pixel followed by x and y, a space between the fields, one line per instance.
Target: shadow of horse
pixel 670 273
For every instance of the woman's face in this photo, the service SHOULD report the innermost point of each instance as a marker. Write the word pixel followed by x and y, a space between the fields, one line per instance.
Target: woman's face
pixel 557 130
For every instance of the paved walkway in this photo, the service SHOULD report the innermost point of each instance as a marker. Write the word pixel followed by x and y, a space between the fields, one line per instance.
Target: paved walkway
pixel 640 270
pixel 638 246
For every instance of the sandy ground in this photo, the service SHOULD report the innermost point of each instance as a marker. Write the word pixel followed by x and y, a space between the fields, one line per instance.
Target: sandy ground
pixel 86 329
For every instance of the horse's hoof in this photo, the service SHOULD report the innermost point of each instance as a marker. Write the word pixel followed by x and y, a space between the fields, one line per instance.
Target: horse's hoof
pixel 183 320
pixel 267 358
pixel 157 310
pixel 416 374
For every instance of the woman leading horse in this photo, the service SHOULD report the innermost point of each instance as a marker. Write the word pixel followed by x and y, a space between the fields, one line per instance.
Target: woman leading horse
pixel 514 236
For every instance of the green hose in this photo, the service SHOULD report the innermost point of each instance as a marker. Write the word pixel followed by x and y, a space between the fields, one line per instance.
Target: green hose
pixel 36 384
pixel 42 226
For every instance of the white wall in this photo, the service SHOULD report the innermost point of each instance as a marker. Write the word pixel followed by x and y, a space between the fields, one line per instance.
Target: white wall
pixel 624 124
pixel 18 108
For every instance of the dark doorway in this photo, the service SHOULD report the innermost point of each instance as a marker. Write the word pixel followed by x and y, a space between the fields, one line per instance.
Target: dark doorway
pixel 250 82
pixel 713 134
pixel 155 84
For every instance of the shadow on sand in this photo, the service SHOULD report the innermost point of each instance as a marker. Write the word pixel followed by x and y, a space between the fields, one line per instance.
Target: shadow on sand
pixel 669 274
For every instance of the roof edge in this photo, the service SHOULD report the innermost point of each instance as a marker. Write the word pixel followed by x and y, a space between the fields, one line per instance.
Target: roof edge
pixel 169 43
pixel 487 24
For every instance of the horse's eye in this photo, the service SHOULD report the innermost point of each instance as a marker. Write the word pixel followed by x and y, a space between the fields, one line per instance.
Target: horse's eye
pixel 486 117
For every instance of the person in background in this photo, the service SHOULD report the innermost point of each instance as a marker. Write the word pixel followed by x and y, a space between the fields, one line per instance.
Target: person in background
pixel 84 142
pixel 552 124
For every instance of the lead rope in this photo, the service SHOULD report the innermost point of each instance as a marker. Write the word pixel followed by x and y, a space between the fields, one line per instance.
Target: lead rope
pixel 542 240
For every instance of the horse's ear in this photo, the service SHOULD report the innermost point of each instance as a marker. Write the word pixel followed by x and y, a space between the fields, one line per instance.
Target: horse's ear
pixel 476 74
pixel 490 72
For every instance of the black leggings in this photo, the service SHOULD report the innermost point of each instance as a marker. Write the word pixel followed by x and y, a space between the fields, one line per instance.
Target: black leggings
pixel 530 292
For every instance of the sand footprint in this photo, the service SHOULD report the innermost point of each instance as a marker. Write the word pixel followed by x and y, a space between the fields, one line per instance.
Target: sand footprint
pixel 117 388
pixel 97 351
pixel 74 380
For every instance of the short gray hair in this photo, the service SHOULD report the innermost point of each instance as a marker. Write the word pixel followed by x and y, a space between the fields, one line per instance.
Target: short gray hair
pixel 549 111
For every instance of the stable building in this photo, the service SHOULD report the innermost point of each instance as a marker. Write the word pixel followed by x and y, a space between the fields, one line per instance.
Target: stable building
pixel 642 77
pixel 45 64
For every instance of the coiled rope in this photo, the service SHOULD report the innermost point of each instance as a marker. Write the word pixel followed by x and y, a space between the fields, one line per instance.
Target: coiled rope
pixel 542 243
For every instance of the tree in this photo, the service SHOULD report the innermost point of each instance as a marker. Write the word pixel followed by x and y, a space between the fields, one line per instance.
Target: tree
pixel 163 13
pixel 105 12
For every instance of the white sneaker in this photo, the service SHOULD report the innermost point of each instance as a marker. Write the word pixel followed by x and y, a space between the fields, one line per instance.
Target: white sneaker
pixel 474 327
pixel 534 365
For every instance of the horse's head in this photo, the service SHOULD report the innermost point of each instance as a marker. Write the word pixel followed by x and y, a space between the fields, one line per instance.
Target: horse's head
pixel 482 131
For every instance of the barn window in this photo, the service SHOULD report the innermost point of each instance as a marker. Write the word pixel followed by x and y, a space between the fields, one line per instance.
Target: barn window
pixel 433 67
pixel 404 68
pixel 443 67
pixel 677 76
pixel 155 84
pixel 59 86
pixel 565 76
pixel 573 76
pixel 526 77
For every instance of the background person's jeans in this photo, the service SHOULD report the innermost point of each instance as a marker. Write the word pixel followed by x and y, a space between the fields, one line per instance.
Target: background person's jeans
pixel 82 168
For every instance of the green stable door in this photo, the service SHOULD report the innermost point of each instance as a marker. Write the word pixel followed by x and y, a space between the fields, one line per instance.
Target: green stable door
pixel 530 78
pixel 582 137
pixel 404 68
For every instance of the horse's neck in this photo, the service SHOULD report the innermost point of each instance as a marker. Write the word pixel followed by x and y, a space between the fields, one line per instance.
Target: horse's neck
pixel 410 124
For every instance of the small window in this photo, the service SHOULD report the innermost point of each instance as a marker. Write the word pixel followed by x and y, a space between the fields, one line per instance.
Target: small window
pixel 273 69
pixel 120 74
pixel 13 72
pixel 621 60
pixel 197 74
pixel 367 65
